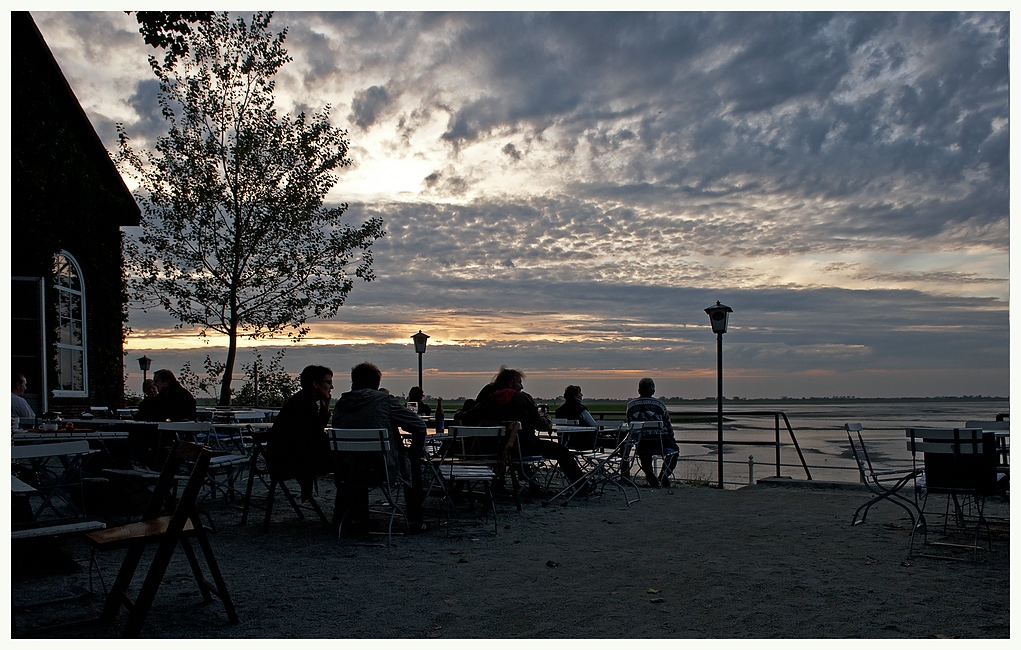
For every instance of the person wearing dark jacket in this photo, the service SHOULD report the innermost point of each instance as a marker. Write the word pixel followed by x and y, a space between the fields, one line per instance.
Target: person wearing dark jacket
pixel 297 444
pixel 366 406
pixel 172 401
pixel 504 400
pixel 573 409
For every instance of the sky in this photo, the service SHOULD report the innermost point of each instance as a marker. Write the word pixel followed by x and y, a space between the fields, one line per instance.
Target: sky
pixel 565 193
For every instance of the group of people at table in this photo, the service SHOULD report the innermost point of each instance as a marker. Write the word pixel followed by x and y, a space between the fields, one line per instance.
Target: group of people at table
pixel 298 448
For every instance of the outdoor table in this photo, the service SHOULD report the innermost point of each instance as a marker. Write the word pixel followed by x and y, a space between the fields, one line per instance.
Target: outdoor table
pixel 57 469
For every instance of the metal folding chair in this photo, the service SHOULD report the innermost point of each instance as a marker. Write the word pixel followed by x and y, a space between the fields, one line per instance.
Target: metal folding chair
pixel 369 450
pixel 475 455
pixel 884 484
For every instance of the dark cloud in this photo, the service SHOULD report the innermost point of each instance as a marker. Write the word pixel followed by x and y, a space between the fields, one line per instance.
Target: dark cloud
pixel 368 104
pixel 670 160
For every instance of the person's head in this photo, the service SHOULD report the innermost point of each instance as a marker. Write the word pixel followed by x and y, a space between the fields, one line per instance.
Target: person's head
pixel 646 387
pixel 509 378
pixel 318 379
pixel 20 384
pixel 365 375
pixel 572 392
pixel 416 394
pixel 468 404
pixel 149 388
pixel 164 378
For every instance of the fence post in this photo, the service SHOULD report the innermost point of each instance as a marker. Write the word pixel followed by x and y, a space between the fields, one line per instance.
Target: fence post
pixel 751 470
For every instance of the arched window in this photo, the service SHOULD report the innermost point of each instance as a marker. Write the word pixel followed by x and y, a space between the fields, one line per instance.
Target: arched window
pixel 72 362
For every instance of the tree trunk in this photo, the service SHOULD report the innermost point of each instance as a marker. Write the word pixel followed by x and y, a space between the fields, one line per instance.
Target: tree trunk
pixel 228 368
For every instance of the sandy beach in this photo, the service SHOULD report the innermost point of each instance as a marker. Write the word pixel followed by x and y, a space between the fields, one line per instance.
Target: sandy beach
pixel 769 561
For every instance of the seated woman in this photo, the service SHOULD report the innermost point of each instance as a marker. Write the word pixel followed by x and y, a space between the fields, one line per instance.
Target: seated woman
pixel 573 409
pixel 416 394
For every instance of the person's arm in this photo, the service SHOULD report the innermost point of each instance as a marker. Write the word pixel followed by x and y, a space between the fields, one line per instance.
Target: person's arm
pixel 585 418
pixel 404 418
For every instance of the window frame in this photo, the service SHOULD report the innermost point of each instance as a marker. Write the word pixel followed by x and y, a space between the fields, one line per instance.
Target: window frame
pixel 73 295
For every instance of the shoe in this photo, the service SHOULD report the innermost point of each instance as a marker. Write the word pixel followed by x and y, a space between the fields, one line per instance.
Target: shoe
pixel 586 489
pixel 665 482
pixel 653 481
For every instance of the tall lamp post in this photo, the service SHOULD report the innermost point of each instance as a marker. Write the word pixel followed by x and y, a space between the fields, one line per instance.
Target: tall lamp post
pixel 144 363
pixel 420 340
pixel 718 316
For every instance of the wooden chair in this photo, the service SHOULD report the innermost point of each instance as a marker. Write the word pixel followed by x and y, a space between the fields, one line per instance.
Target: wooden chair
pixel 165 532
pixel 961 464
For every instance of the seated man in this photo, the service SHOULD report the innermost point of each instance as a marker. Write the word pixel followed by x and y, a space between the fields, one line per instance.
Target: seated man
pixel 19 405
pixel 573 409
pixel 366 406
pixel 646 408
pixel 506 401
pixel 297 444
pixel 172 401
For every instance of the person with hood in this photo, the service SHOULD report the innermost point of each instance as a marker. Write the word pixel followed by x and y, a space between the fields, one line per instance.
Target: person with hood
pixel 366 406
pixel 504 400
pixel 298 447
pixel 573 409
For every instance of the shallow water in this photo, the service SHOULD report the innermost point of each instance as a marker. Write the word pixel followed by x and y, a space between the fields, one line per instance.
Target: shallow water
pixel 819 431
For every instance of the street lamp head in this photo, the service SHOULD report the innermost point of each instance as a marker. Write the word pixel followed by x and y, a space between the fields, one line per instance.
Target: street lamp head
pixel 144 363
pixel 718 316
pixel 420 340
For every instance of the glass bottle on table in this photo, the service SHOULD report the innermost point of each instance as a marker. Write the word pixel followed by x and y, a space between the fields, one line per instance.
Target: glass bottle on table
pixel 439 415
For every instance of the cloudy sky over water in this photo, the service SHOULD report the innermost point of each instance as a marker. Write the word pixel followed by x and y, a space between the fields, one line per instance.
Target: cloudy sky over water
pixel 565 193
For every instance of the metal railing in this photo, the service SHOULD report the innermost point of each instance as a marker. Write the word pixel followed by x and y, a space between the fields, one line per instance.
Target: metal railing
pixel 681 418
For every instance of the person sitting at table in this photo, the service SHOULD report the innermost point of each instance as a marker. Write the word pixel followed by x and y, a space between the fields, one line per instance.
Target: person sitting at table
pixel 297 446
pixel 172 401
pixel 573 409
pixel 416 394
pixel 646 408
pixel 467 406
pixel 19 405
pixel 506 401
pixel 366 406
pixel 149 393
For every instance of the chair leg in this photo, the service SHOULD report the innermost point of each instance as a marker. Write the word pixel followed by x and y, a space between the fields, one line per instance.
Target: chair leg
pixel 146 595
pixel 196 570
pixel 214 569
pixel 119 591
pixel 269 503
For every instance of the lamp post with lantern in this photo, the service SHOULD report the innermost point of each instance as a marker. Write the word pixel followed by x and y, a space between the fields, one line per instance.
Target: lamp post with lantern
pixel 420 341
pixel 144 363
pixel 718 317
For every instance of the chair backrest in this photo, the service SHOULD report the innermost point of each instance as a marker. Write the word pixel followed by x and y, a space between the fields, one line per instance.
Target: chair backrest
pixel 988 425
pixel 859 451
pixel 578 438
pixel 478 444
pixel 194 459
pixel 955 459
pixel 186 427
pixel 640 429
pixel 362 455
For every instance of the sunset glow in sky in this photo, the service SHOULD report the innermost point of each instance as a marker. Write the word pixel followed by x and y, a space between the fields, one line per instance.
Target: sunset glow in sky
pixel 566 192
